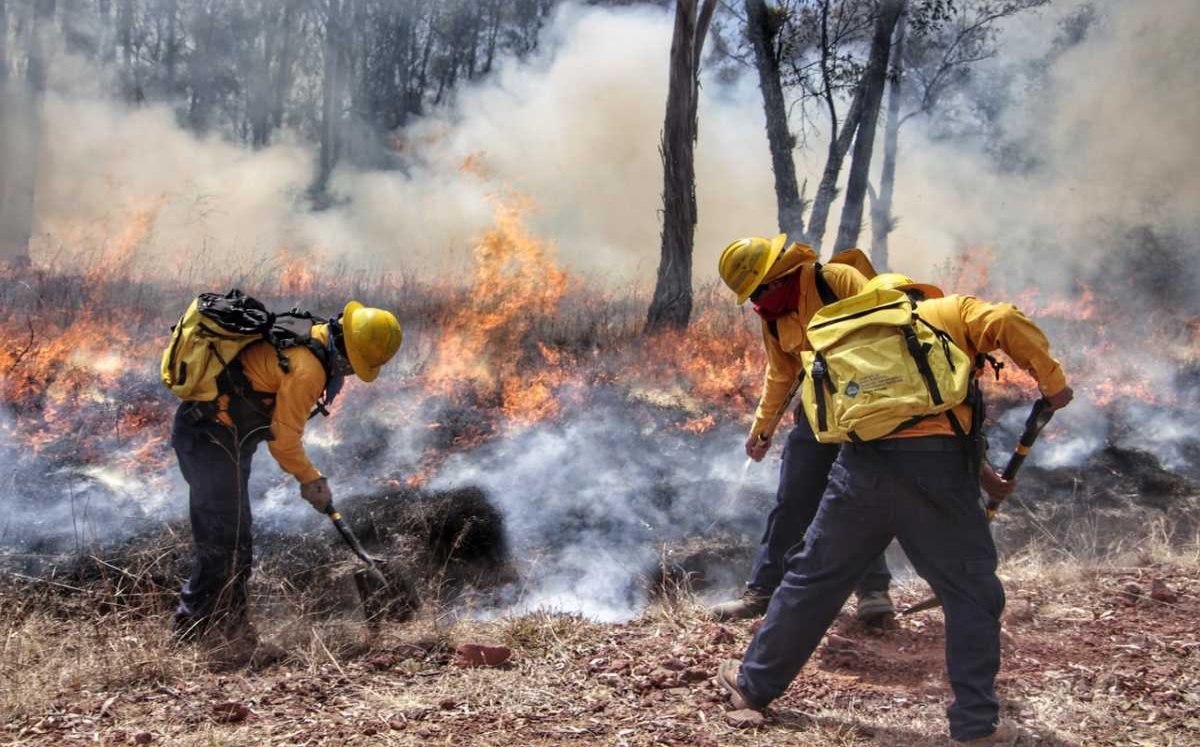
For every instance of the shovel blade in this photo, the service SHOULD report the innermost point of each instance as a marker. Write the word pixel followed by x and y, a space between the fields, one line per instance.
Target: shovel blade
pixel 384 599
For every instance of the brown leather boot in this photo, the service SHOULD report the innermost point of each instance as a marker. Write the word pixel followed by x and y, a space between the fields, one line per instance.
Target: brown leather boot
pixel 1007 732
pixel 752 603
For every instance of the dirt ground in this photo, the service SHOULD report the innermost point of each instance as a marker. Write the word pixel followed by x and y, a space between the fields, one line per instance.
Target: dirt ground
pixel 1104 655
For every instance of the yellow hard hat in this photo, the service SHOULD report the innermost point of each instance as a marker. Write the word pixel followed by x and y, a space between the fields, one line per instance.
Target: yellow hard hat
pixel 899 281
pixel 745 263
pixel 372 337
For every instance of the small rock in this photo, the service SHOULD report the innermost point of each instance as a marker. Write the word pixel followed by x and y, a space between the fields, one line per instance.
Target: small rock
pixel 381 662
pixel 695 674
pixel 837 642
pixel 447 704
pixel 231 712
pixel 370 731
pixel 1020 611
pixel 144 737
pixel 1160 592
pixel 675 665
pixel 744 719
pixel 718 634
pixel 1132 592
pixel 396 725
pixel 474 655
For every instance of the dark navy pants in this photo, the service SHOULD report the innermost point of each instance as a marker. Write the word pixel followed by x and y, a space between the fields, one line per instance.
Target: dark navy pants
pixel 215 462
pixel 930 501
pixel 803 475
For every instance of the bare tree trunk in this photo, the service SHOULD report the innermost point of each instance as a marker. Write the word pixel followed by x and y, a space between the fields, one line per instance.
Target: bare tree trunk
pixel 882 222
pixel 283 69
pixel 172 51
pixel 329 94
pixel 864 143
pixel 672 302
pixel 839 141
pixel 21 120
pixel 762 26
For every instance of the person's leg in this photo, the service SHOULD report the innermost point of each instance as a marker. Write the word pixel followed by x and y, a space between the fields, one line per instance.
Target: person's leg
pixel 220 521
pixel 803 474
pixel 852 526
pixel 944 531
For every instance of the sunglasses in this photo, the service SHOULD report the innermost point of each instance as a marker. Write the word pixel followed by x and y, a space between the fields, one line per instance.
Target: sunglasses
pixel 758 293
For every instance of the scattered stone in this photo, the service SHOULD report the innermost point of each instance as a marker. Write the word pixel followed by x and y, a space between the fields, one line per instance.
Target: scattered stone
pixel 1132 592
pixel 675 664
pixel 619 665
pixel 744 719
pixel 1160 592
pixel 231 712
pixel 695 674
pixel 370 731
pixel 447 704
pixel 718 634
pixel 474 655
pixel 396 725
pixel 381 662
pixel 144 737
pixel 1020 611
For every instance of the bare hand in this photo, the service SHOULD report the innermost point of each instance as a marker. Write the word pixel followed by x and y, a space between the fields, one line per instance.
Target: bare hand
pixel 757 446
pixel 994 485
pixel 1062 399
pixel 317 493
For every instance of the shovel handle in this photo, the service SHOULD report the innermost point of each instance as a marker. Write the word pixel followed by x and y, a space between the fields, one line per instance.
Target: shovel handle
pixel 347 535
pixel 1039 416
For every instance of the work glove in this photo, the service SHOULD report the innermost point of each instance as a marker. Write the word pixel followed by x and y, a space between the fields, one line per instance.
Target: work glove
pixel 757 446
pixel 317 493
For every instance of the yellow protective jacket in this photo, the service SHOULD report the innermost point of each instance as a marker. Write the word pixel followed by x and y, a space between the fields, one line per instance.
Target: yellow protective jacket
pixel 783 354
pixel 296 393
pixel 982 327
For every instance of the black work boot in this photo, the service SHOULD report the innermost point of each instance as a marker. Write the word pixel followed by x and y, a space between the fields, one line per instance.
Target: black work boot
pixel 752 603
pixel 874 607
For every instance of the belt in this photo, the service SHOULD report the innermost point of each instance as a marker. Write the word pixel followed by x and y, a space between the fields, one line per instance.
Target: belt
pixel 951 444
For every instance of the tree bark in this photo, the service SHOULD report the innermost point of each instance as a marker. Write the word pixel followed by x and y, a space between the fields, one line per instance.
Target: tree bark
pixel 873 82
pixel 329 93
pixel 671 306
pixel 882 222
pixel 21 121
pixel 839 142
pixel 762 26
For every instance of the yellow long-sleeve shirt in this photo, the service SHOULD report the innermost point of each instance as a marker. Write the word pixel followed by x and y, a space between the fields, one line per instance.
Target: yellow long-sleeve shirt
pixel 981 327
pixel 296 393
pixel 783 354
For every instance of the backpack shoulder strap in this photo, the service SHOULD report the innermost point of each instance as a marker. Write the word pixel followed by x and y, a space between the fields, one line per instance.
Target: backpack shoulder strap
pixel 824 289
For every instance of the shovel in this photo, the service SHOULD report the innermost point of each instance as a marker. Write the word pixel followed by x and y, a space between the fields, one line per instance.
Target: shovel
pixel 1038 417
pixel 380 597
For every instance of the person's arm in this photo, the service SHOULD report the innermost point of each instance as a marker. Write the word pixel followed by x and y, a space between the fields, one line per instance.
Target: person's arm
pixel 782 370
pixel 298 393
pixel 992 326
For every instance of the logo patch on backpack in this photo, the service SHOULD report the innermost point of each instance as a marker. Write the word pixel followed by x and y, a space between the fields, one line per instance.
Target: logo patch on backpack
pixel 852 389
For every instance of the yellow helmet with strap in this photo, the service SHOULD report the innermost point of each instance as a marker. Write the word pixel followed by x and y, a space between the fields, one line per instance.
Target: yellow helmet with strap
pixel 745 263
pixel 372 336
pixel 899 281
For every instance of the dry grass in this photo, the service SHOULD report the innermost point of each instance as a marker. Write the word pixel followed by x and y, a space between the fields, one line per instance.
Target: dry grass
pixel 70 672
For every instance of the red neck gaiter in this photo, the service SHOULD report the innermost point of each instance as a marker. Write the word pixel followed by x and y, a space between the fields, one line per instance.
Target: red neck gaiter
pixel 781 300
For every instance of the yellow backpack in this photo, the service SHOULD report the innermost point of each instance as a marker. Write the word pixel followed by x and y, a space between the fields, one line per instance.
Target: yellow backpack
pixel 216 327
pixel 877 368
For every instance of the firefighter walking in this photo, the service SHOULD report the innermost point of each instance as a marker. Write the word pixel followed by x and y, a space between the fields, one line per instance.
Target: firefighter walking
pixel 916 481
